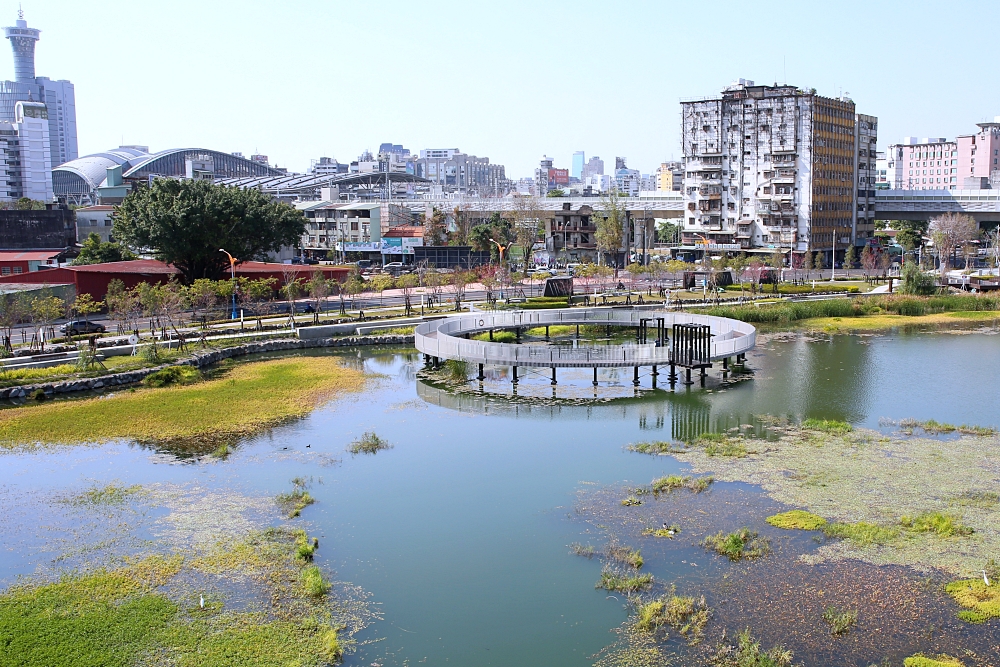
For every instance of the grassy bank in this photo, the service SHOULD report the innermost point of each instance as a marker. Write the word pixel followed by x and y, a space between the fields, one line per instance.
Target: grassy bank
pixel 869 313
pixel 247 399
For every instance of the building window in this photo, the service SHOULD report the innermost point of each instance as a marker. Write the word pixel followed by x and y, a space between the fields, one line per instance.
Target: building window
pixel 5 271
pixel 18 269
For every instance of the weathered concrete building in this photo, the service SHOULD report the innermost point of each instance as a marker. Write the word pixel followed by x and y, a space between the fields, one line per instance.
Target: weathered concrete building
pixel 777 168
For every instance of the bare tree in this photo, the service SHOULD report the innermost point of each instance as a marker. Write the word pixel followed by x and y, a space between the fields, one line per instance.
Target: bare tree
pixel 950 231
pixel 610 225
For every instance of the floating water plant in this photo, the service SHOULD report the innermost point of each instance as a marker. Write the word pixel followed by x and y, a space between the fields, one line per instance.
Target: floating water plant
pixel 684 614
pixel 797 519
pixel 840 622
pixel 748 653
pixel 831 426
pixel 587 551
pixel 743 543
pixel 981 602
pixel 623 582
pixel 942 525
pixel 862 533
pixel 368 443
pixel 631 501
pixel 920 660
pixel 297 499
pixel 109 494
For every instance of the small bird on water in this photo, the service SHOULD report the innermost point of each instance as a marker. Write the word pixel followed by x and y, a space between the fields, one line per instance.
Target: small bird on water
pixel 201 601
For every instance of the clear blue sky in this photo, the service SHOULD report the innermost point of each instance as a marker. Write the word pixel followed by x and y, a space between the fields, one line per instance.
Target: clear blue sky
pixel 509 80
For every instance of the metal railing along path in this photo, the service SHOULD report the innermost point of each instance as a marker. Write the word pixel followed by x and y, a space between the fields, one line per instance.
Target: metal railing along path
pixel 443 338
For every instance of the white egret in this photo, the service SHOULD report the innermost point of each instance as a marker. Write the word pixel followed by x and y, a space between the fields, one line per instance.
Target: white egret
pixel 201 601
pixel 986 580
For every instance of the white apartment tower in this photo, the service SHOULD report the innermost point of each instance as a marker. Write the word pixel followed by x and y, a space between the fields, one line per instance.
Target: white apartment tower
pixel 31 121
pixel 777 168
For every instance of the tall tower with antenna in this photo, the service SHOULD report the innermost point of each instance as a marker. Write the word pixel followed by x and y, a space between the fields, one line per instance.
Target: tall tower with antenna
pixel 22 40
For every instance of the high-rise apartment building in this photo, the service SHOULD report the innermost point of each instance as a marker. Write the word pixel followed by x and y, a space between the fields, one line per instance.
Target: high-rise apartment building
pixel 58 96
pixel 670 176
pixel 593 167
pixel 777 168
pixel 27 163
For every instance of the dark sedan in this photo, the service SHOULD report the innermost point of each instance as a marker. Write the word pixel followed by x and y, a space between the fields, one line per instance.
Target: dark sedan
pixel 82 327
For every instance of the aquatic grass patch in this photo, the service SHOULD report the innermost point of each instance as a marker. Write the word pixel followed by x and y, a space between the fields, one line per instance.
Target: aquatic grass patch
pixel 921 660
pixel 109 494
pixel 738 545
pixel 862 533
pixel 747 652
pixel 313 582
pixel 934 427
pixel 585 550
pixel 980 499
pixel 624 555
pixel 796 520
pixel 831 426
pixel 656 447
pixel 620 582
pixel 368 443
pixel 669 532
pixel 296 500
pixel 674 482
pixel 171 375
pixel 937 523
pixel 685 614
pixel 201 415
pixel 721 444
pixel 101 618
pixel 980 602
pixel 840 622
pixel 631 501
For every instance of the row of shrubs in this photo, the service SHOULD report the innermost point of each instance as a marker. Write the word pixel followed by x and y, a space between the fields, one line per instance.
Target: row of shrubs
pixel 897 305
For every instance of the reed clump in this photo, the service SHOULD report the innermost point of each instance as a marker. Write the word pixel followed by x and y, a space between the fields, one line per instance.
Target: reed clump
pixel 738 545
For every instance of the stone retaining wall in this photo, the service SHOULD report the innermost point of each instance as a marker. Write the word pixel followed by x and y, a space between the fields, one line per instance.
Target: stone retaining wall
pixel 199 359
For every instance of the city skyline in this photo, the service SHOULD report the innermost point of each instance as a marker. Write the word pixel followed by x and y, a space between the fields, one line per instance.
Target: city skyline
pixel 232 67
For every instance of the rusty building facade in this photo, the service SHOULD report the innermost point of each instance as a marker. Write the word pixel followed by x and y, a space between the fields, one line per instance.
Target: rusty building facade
pixel 777 168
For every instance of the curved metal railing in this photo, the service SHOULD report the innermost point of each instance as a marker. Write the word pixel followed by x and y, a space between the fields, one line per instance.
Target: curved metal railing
pixel 442 338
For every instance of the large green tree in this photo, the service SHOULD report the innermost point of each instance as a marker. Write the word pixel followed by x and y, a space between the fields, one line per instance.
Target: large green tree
pixel 185 223
pixel 95 251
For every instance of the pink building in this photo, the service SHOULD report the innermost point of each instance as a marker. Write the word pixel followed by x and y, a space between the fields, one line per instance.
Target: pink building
pixel 926 164
pixel 979 157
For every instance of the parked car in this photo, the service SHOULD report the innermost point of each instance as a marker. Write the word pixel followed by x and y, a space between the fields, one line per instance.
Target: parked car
pixel 77 327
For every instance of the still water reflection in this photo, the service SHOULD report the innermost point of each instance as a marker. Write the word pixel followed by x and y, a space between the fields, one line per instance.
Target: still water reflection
pixel 460 531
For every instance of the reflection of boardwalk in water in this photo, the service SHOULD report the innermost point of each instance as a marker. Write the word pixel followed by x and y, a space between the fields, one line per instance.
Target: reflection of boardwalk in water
pixel 690 417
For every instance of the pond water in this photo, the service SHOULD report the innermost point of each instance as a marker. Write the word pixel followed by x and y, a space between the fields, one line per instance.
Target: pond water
pixel 460 532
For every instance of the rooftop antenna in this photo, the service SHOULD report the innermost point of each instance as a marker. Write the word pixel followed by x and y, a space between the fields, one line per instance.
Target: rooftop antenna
pixel 20 12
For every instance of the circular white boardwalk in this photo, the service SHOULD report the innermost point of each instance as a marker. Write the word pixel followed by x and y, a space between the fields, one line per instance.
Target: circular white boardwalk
pixel 445 338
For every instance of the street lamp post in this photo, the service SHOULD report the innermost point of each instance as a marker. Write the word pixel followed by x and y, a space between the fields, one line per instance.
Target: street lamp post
pixel 232 268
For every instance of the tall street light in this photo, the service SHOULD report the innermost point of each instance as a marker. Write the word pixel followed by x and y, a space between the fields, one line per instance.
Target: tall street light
pixel 232 268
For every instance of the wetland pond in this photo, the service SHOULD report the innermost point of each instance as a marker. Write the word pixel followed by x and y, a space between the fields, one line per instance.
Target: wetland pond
pixel 456 540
